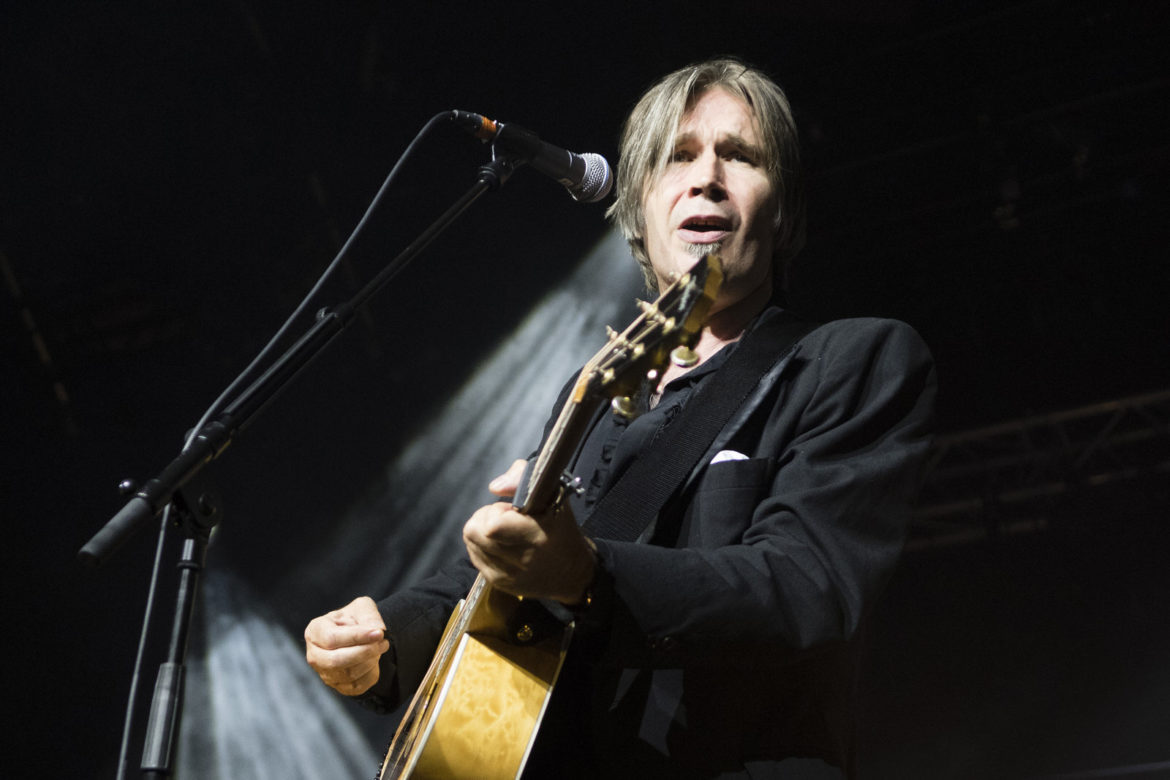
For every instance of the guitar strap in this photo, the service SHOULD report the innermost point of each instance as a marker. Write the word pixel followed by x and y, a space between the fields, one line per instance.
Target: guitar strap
pixel 635 500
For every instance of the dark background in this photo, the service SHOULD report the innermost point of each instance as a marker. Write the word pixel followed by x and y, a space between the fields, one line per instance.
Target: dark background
pixel 173 179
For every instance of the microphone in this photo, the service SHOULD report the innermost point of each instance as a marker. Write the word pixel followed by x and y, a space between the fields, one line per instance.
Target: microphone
pixel 587 177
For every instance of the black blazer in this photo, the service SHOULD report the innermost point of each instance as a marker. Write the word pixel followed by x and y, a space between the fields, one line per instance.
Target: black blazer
pixel 733 645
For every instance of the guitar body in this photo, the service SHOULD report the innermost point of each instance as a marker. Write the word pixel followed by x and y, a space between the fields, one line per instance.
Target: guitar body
pixel 478 709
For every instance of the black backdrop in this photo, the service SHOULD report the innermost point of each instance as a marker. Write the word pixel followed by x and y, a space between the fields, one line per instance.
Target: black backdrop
pixel 173 180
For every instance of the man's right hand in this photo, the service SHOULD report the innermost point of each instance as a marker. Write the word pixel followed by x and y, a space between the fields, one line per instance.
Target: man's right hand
pixel 344 646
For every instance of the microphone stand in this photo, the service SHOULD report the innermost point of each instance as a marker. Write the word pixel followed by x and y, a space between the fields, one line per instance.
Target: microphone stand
pixel 178 488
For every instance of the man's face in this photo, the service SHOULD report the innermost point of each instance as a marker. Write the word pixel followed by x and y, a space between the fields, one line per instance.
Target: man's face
pixel 714 195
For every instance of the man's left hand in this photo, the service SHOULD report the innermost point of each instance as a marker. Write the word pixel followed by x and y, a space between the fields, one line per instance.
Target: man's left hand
pixel 546 557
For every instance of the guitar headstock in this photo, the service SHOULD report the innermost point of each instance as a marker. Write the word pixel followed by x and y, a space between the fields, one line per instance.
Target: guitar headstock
pixel 671 324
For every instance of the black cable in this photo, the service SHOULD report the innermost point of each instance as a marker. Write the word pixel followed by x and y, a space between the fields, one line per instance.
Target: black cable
pixel 266 352
pixel 218 403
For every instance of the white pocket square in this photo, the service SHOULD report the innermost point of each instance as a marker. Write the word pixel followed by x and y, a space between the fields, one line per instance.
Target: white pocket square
pixel 723 455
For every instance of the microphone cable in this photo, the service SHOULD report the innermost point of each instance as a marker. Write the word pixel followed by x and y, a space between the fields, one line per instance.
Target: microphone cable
pixel 216 405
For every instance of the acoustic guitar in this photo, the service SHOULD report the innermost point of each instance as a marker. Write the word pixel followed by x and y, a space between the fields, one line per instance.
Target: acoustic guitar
pixel 478 708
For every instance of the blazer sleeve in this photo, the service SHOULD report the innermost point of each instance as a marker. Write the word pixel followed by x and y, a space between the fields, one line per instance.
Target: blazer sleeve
pixel 838 460
pixel 415 619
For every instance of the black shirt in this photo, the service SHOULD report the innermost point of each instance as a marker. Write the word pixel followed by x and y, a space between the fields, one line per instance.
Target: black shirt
pixel 614 442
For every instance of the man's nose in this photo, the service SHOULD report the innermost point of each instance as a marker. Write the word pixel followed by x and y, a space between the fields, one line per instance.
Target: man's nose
pixel 707 177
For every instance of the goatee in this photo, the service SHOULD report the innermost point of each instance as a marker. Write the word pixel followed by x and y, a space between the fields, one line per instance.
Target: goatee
pixel 699 251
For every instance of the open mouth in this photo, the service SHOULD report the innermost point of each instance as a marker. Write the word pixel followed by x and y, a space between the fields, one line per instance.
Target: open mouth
pixel 704 229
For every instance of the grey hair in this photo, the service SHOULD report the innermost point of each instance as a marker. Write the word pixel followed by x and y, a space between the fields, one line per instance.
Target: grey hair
pixel 648 142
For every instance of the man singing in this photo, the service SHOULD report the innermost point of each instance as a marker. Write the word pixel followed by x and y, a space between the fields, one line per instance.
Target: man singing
pixel 723 641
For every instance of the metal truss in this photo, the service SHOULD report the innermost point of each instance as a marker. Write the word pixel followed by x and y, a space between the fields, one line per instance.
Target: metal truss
pixel 1011 478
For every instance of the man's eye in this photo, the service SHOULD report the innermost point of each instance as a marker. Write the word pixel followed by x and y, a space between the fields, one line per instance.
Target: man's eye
pixel 681 155
pixel 740 156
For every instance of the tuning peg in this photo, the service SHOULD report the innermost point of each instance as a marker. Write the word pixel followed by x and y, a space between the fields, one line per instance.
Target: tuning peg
pixel 654 315
pixel 683 356
pixel 619 342
pixel 622 406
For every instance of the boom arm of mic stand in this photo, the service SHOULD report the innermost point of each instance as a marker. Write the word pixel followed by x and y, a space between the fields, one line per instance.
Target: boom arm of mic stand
pixel 215 437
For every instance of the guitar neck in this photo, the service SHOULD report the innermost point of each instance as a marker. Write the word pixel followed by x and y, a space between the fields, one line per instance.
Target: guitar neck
pixel 674 320
pixel 543 483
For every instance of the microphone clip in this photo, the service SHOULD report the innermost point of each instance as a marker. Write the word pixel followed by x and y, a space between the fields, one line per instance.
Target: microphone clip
pixel 496 172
